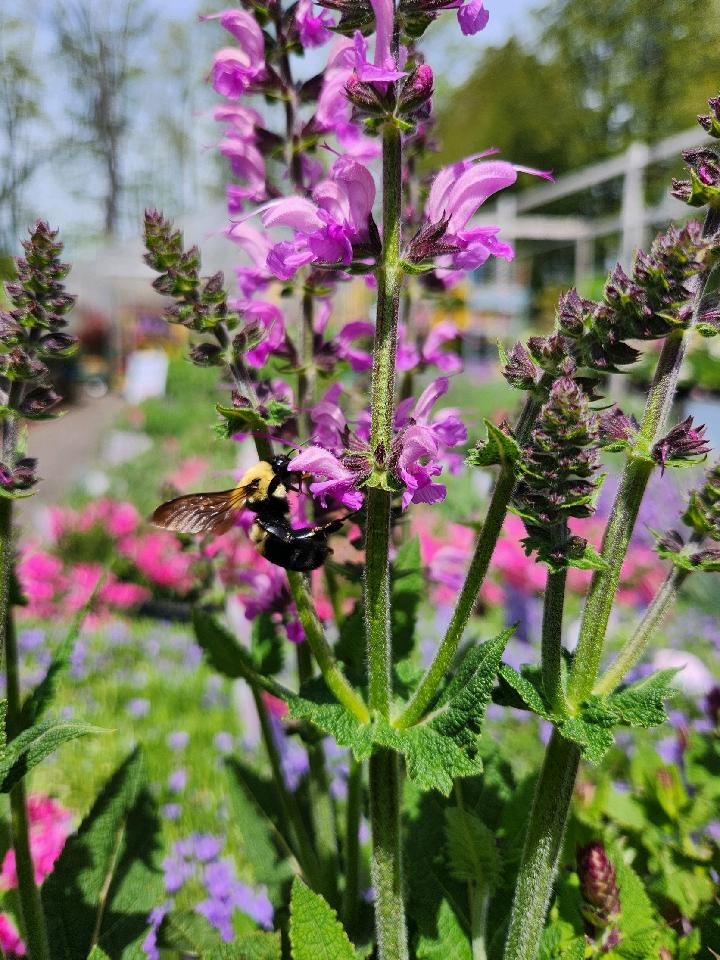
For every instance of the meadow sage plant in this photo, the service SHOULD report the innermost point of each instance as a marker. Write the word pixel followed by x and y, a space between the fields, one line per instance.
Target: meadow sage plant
pixel 325 192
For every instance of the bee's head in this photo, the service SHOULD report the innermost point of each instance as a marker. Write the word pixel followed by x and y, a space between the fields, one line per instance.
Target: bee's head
pixel 280 465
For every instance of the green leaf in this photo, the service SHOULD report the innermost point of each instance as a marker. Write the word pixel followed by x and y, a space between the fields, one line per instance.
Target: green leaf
pixel 472 849
pixel 31 746
pixel 261 844
pixel 42 696
pixel 252 946
pixel 277 413
pixel 188 932
pixel 243 419
pixel 438 750
pixel 451 941
pixel 223 651
pixel 594 740
pixel 315 931
pixel 499 448
pixel 267 649
pixel 642 704
pixel 408 585
pixel 108 877
pixel 97 953
pixel 589 559
pixel 528 686
pixel 318 705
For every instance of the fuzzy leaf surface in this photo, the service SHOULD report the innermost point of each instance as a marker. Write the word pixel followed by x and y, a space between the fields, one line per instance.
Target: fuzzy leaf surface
pixel 315 931
pixel 31 746
pixel 499 448
pixel 107 878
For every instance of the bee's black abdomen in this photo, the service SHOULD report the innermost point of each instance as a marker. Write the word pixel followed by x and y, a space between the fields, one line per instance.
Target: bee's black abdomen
pixel 301 556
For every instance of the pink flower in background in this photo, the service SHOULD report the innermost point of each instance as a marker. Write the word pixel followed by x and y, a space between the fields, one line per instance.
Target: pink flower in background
pixel 11 942
pixel 160 558
pixel 189 473
pixel 359 359
pixel 313 29
pixel 49 827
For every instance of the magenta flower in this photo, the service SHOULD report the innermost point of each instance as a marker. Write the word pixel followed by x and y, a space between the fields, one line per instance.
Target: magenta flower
pixel 334 111
pixel 266 322
pixel 256 245
pixel 383 69
pixel 326 227
pixel 235 69
pixel 345 343
pixel 313 29
pixel 335 481
pixel 456 194
pixel 246 163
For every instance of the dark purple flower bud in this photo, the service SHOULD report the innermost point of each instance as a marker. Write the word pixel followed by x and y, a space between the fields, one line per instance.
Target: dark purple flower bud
pixel 429 242
pixel 703 187
pixel 572 312
pixel 417 90
pixel 711 122
pixel 207 355
pixel 58 345
pixel 682 443
pixel 519 371
pixel 708 559
pixel 670 542
pixel 24 475
pixel 11 332
pixel 6 477
pixel 17 364
pixel 617 427
pixel 598 884
pixel 365 97
pixel 38 402
pixel 550 352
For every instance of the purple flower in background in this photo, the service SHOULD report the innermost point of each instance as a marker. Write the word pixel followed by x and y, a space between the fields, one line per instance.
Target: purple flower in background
pixel 178 739
pixel 224 742
pixel 207 847
pixel 313 29
pixel 177 781
pixel 177 870
pixel 226 893
pixel 472 17
pixel 257 247
pixel 157 915
pixel 171 811
pixel 138 707
pixel 255 904
pixel 359 359
pixel 30 639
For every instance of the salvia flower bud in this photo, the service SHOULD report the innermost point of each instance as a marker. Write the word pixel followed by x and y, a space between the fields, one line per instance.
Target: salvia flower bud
pixel 519 370
pixel 703 187
pixel 417 89
pixel 558 474
pixel 38 402
pixel 703 509
pixel 685 443
pixel 711 122
pixel 617 429
pixel 598 884
pixel 365 97
pixel 207 355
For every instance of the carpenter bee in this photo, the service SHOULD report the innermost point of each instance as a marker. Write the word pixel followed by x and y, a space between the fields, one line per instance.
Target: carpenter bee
pixel 264 490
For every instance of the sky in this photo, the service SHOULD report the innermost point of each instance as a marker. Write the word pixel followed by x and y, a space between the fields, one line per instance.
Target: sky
pixel 63 191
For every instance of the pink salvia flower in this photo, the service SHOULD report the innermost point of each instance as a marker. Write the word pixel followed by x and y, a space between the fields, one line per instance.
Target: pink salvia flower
pixel 338 482
pixel 11 943
pixel 313 29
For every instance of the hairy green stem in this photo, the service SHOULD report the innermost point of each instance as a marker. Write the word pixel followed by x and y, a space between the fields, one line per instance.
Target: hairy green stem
pixel 552 624
pixel 33 918
pixel 632 651
pixel 377 536
pixel 467 598
pixel 385 787
pixel 315 636
pixel 353 809
pixel 385 790
pixel 543 845
pixel 304 851
pixel 322 811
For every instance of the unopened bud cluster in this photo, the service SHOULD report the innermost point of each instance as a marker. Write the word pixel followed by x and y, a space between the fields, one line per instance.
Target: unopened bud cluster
pixel 600 893
pixel 684 444
pixel 703 186
pixel 558 480
pixel 32 332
